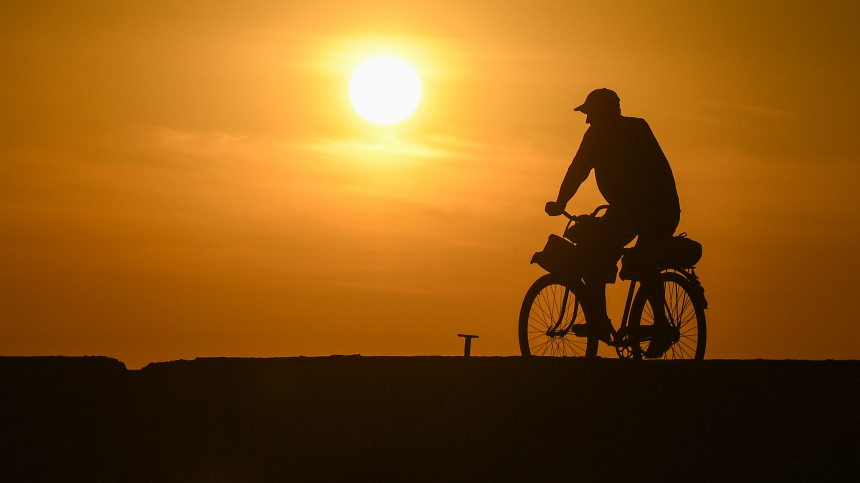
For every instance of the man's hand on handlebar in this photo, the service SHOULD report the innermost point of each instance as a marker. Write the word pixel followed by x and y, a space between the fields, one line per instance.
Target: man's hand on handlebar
pixel 554 208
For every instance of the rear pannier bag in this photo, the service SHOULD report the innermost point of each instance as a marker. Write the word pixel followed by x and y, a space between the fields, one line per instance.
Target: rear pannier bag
pixel 680 252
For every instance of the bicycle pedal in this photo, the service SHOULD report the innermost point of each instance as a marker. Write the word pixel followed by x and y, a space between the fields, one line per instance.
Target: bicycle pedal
pixel 616 343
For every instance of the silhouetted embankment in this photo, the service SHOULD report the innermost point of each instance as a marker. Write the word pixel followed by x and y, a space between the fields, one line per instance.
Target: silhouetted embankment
pixel 427 419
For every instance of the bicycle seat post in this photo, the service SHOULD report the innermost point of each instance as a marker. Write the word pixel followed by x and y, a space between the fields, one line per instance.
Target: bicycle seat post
pixel 468 349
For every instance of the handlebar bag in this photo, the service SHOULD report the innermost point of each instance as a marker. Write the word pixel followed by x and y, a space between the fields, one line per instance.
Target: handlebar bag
pixel 560 256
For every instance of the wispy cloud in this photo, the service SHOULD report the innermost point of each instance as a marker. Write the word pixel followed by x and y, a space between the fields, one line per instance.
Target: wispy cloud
pixel 387 145
pixel 761 111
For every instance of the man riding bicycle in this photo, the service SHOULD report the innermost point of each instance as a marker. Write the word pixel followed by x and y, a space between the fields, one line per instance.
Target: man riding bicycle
pixel 635 178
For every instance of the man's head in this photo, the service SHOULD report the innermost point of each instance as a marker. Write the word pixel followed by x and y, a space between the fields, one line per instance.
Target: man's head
pixel 600 105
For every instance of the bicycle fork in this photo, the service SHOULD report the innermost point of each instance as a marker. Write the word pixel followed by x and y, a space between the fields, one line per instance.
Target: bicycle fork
pixel 554 329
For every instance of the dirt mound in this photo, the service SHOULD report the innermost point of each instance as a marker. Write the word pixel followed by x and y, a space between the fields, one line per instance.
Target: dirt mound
pixel 427 419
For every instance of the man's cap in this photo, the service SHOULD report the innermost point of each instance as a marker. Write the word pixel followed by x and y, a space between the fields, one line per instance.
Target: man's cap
pixel 600 99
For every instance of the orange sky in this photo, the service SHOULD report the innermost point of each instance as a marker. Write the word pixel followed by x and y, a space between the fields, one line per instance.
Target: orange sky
pixel 182 179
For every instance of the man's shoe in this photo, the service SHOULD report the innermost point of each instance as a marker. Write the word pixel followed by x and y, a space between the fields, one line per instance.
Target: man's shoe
pixel 661 341
pixel 580 330
pixel 603 331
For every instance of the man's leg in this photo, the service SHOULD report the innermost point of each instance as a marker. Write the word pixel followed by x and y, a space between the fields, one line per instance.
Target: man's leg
pixel 652 238
pixel 654 290
pixel 598 319
pixel 661 337
pixel 601 241
pixel 605 239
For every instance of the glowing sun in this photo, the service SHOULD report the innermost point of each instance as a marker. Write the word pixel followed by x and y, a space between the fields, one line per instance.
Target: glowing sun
pixel 385 90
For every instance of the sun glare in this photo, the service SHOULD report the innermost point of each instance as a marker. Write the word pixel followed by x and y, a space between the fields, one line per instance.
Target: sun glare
pixel 385 90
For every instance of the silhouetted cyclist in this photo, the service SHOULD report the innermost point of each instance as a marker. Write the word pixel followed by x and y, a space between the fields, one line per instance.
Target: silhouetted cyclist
pixel 634 177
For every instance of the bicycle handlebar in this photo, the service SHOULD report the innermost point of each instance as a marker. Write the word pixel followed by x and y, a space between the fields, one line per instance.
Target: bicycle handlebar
pixel 592 215
pixel 597 210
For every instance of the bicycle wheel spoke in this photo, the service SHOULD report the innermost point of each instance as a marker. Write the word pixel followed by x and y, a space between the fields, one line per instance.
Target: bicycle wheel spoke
pixel 648 313
pixel 550 304
pixel 686 352
pixel 542 321
pixel 545 307
pixel 686 304
pixel 682 343
pixel 546 315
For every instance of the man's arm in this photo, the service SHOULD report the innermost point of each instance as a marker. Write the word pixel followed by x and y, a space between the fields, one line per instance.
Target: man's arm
pixel 576 174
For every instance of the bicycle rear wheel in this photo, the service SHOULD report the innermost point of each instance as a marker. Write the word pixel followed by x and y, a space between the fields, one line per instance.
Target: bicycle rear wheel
pixel 550 309
pixel 686 315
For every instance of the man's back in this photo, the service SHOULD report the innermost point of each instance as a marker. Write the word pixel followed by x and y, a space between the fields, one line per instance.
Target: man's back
pixel 631 170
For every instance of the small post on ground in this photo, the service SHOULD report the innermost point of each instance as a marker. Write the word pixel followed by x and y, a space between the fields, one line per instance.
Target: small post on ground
pixel 468 350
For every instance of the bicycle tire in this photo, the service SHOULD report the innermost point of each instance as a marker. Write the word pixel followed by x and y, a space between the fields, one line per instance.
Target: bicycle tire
pixel 540 312
pixel 687 316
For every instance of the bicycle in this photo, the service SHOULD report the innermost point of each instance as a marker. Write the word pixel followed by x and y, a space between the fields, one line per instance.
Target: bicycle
pixel 553 318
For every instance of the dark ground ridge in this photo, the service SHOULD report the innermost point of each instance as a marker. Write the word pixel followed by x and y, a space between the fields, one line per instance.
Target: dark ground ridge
pixel 353 418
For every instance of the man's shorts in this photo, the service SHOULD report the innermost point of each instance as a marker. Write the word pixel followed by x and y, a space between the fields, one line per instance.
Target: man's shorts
pixel 604 238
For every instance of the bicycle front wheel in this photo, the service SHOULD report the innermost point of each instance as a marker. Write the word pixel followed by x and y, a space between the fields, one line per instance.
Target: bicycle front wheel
pixel 686 315
pixel 549 312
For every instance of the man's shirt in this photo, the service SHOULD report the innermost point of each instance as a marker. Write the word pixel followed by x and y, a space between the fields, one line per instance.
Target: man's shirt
pixel 632 172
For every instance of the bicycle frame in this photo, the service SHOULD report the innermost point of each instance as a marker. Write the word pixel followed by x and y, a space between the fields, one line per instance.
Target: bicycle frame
pixel 631 292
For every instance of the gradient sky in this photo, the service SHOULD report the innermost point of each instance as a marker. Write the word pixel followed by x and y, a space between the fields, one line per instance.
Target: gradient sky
pixel 183 179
